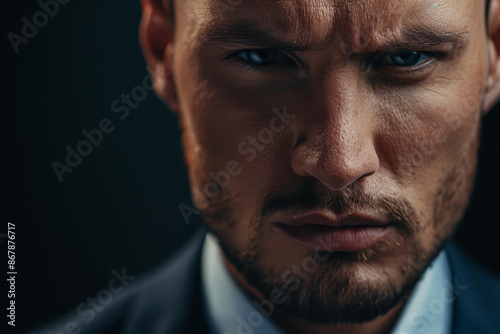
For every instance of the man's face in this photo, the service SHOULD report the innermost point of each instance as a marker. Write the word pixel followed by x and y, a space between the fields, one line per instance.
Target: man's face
pixel 318 113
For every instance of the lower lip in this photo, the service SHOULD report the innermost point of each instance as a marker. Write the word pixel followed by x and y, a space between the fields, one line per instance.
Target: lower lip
pixel 336 238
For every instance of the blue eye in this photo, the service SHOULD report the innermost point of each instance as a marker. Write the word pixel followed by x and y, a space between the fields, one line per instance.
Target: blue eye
pixel 262 57
pixel 404 59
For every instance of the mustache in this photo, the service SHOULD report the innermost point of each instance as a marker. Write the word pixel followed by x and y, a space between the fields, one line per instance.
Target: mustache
pixel 314 195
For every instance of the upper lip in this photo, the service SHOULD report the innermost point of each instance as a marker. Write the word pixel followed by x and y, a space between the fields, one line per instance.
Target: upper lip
pixel 328 218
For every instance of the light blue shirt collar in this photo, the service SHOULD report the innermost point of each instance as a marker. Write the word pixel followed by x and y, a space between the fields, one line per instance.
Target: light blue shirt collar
pixel 429 308
pixel 230 311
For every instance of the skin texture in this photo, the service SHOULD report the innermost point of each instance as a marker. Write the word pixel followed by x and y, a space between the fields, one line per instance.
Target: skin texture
pixel 362 135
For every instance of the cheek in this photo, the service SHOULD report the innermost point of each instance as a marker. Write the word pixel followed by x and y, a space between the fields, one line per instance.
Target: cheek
pixel 224 127
pixel 426 127
pixel 226 120
pixel 434 130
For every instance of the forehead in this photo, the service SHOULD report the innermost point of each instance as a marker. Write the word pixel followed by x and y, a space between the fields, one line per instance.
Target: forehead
pixel 319 21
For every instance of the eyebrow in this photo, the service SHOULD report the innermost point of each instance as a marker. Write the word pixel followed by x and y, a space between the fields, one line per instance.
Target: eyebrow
pixel 429 37
pixel 247 34
pixel 241 35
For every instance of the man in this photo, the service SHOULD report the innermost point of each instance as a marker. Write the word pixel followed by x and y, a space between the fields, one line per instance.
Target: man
pixel 331 148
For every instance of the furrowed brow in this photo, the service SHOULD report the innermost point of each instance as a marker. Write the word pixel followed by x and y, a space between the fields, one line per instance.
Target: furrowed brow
pixel 425 37
pixel 243 35
pixel 248 35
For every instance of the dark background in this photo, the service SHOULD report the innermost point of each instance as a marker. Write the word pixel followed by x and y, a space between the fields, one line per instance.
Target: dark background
pixel 119 207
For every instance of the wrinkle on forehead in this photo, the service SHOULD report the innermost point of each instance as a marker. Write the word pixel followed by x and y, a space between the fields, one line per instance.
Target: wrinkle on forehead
pixel 362 24
pixel 304 18
pixel 365 24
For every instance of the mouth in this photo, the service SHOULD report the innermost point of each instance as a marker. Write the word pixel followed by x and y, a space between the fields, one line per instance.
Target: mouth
pixel 327 231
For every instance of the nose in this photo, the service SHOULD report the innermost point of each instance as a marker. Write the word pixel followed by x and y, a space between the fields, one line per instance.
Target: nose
pixel 337 141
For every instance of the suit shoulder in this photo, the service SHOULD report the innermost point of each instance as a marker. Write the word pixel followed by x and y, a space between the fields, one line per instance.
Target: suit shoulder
pixel 159 302
pixel 477 294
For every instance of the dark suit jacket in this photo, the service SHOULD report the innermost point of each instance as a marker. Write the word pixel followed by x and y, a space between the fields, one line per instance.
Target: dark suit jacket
pixel 168 300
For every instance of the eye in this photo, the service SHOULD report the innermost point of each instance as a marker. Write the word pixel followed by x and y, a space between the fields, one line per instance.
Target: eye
pixel 262 57
pixel 404 59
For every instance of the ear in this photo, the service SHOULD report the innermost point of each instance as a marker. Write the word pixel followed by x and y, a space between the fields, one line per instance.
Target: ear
pixel 493 93
pixel 156 35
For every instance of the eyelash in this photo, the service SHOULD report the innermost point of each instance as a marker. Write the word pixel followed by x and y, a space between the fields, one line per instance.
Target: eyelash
pixel 372 63
pixel 255 68
pixel 432 58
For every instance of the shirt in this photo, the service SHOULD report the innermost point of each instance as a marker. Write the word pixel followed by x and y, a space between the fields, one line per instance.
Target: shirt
pixel 229 310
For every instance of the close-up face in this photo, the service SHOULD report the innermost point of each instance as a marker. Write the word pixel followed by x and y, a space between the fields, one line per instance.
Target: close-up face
pixel 331 145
